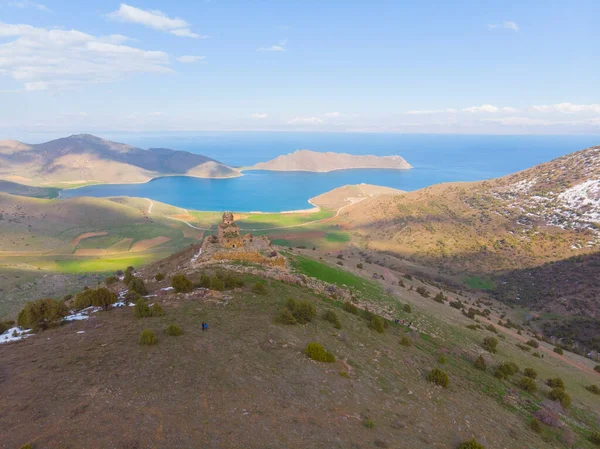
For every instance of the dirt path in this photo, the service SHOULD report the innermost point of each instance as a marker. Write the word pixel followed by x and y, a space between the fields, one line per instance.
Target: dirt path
pixel 151 206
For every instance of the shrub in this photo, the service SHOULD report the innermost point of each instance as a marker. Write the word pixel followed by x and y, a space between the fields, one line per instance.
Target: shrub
pixel 597 368
pixel 560 395
pixel 593 389
pixel 442 360
pixel 173 330
pixel 377 324
pixel 472 326
pixel 128 277
pixel 492 328
pixel 285 317
pixel 141 309
pixel 27 446
pixel 367 314
pixel 359 266
pixel 138 286
pixel 156 310
pixel 490 344
pixel 528 384
pixel 555 382
pixel 317 352
pixel 132 296
pixel 231 281
pixel 439 298
pixel 332 318
pixel 530 372
pixel 303 311
pixel 536 354
pixel 595 438
pixel 480 363
pixel 42 314
pixel 217 284
pixel 438 377
pixel 344 374
pixel 181 284
pixel 405 341
pixel 111 280
pixel 6 325
pixel 423 292
pixel 103 297
pixel 159 276
pixel 523 347
pixel 369 423
pixel 350 308
pixel 204 281
pixel 401 283
pixel 558 350
pixel 407 308
pixel 147 337
pixel 533 343
pixel 535 426
pixel 456 304
pixel 505 370
pixel 471 444
pixel 259 288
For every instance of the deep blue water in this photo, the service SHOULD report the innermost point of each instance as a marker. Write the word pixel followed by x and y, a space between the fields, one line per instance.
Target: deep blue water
pixel 435 158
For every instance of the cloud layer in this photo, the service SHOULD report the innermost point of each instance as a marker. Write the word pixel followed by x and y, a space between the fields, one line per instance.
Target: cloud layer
pixel 45 59
pixel 156 20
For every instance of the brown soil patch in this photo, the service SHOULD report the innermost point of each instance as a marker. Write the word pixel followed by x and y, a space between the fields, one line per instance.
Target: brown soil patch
pixel 87 235
pixel 297 235
pixel 143 245
pixel 185 217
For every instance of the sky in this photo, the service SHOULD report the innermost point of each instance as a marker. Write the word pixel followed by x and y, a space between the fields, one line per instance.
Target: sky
pixel 462 66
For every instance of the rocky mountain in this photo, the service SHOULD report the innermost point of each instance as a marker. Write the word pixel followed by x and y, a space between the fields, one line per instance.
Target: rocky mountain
pixel 88 159
pixel 307 160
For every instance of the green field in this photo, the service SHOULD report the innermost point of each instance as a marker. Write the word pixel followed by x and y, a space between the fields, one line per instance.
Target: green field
pixel 265 221
pixel 479 283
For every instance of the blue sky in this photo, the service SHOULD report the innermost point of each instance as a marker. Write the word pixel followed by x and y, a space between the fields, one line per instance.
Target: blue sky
pixel 314 65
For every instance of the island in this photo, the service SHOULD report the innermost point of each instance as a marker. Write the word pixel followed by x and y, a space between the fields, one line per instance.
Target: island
pixel 313 161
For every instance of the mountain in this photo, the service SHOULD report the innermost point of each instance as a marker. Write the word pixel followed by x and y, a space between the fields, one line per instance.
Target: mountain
pixel 307 160
pixel 88 159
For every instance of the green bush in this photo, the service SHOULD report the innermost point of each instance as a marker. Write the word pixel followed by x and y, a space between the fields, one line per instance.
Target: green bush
pixel 377 324
pixel 285 317
pixel 303 311
pixel 42 314
pixel 401 283
pixel 530 372
pixel 595 438
pixel 350 308
pixel 147 337
pixel 231 281
pixel 259 288
pixel 533 343
pixel 492 328
pixel 407 308
pixel 593 389
pixel 182 284
pixel 490 344
pixel 6 325
pixel 27 446
pixel 423 292
pixel 174 330
pixel 128 277
pixel 141 309
pixel 405 341
pixel 555 382
pixel 104 298
pixel 536 354
pixel 438 377
pixel 159 276
pixel 156 310
pixel 369 423
pixel 528 384
pixel 560 395
pixel 359 266
pixel 439 298
pixel 558 350
pixel 535 426
pixel 471 444
pixel 480 363
pixel 111 280
pixel 317 352
pixel 505 370
pixel 204 281
pixel 332 318
pixel 597 368
pixel 137 285
pixel 442 360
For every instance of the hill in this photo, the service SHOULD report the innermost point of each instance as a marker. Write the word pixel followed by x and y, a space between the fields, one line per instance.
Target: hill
pixel 248 383
pixel 307 160
pixel 35 192
pixel 85 159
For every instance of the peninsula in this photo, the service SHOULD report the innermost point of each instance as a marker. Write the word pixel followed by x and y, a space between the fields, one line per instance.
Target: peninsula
pixel 86 159
pixel 308 160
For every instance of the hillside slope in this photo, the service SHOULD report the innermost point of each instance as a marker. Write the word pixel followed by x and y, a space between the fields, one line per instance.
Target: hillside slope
pixel 88 159
pixel 307 160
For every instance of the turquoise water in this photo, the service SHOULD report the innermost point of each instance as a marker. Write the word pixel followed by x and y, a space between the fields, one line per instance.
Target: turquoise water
pixel 436 159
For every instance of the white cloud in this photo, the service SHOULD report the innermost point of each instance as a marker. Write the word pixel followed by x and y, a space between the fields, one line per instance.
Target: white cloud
pixel 569 108
pixel 259 115
pixel 279 47
pixel 190 59
pixel 333 114
pixel 45 59
pixel 23 4
pixel 155 114
pixel 431 111
pixel 483 108
pixel 156 20
pixel 306 121
pixel 507 24
pixel 519 121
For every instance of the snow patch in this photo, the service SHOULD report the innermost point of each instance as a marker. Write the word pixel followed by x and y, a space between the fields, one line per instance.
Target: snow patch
pixel 14 334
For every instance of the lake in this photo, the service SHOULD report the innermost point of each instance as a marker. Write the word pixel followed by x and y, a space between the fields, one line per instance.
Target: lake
pixel 435 158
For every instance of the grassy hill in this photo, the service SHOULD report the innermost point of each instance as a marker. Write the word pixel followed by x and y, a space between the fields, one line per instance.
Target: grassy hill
pixel 85 159
pixel 248 383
